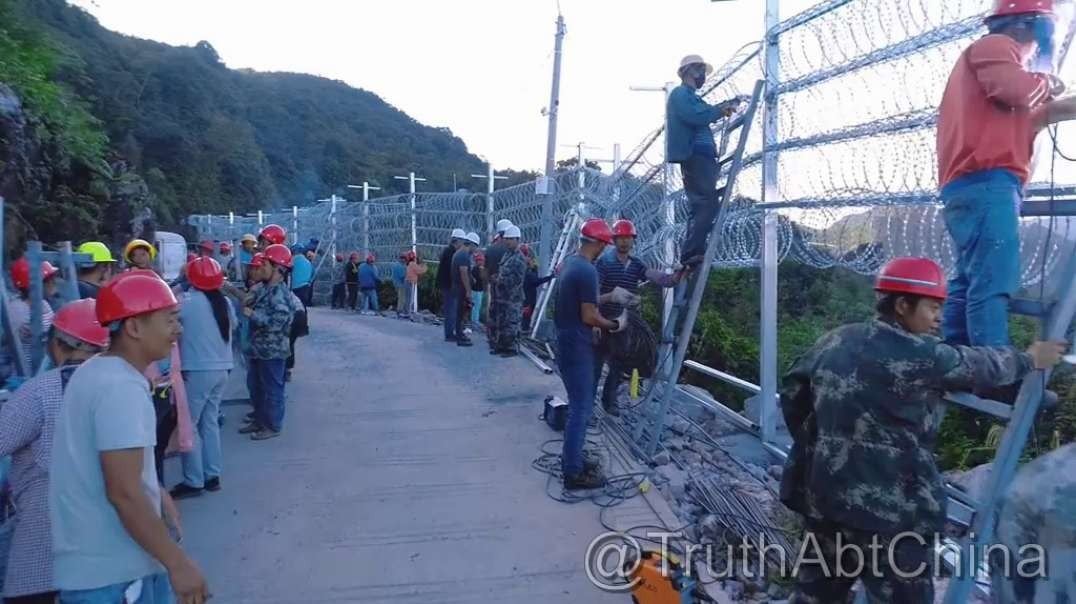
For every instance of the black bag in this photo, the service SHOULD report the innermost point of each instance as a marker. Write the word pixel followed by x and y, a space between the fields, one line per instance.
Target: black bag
pixel 167 419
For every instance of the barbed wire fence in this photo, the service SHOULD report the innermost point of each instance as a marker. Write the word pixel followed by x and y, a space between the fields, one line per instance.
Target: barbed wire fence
pixel 857 94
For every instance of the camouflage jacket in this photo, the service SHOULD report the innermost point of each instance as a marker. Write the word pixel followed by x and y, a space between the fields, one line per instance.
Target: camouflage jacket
pixel 864 407
pixel 1040 509
pixel 509 283
pixel 270 324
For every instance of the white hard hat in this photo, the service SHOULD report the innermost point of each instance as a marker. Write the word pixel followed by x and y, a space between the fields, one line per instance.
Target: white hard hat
pixel 473 238
pixel 694 60
pixel 458 234
pixel 512 232
pixel 503 225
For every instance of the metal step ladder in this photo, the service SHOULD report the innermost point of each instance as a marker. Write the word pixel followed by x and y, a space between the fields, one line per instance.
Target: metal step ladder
pixel 1056 317
pixel 678 327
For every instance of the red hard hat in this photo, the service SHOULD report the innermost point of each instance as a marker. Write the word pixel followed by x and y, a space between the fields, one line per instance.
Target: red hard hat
pixel 257 260
pixel 412 255
pixel 207 245
pixel 339 257
pixel 205 274
pixel 225 247
pixel 1005 8
pixel 136 292
pixel 915 276
pixel 624 228
pixel 78 319
pixel 20 272
pixel 370 259
pixel 597 229
pixel 274 233
pixel 525 250
pixel 279 255
pixel 354 255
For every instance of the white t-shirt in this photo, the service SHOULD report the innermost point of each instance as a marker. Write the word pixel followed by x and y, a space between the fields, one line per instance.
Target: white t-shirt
pixel 106 407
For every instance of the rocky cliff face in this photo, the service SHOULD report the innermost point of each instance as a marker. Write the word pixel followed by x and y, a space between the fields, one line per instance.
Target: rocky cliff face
pixel 66 200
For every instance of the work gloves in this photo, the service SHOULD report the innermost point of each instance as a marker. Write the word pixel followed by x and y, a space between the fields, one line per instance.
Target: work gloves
pixel 621 322
pixel 623 297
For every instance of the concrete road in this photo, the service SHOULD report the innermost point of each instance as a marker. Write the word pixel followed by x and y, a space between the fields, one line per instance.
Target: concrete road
pixel 403 475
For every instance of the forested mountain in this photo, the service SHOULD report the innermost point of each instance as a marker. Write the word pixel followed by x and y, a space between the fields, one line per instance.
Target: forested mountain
pixel 106 112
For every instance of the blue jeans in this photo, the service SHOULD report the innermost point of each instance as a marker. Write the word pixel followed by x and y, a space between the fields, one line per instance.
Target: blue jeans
pixel 204 392
pixel 982 217
pixel 576 360
pixel 704 200
pixel 155 589
pixel 369 300
pixel 454 315
pixel 269 386
pixel 612 381
pixel 476 310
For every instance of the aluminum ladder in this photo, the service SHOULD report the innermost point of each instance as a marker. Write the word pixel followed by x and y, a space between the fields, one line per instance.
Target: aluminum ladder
pixel 677 330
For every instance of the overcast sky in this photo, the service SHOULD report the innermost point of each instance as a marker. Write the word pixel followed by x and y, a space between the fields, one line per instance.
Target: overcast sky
pixel 480 67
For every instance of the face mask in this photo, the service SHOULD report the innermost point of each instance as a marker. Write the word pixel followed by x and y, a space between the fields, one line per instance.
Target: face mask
pixel 700 80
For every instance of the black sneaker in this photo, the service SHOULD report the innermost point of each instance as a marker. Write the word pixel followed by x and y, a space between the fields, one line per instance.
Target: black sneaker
pixel 250 428
pixel 611 409
pixel 184 491
pixel 509 353
pixel 590 466
pixel 287 375
pixel 464 342
pixel 450 338
pixel 584 480
pixel 213 484
pixel 494 352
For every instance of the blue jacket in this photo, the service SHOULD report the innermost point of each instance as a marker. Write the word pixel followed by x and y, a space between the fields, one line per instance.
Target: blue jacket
pixel 368 277
pixel 302 272
pixel 399 275
pixel 687 114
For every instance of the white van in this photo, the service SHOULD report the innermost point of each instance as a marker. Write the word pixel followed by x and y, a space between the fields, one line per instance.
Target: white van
pixel 171 254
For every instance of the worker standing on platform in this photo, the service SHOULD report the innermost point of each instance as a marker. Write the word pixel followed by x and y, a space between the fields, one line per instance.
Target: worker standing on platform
pixel 691 144
pixel 576 316
pixel 862 406
pixel 509 296
pixel 444 278
pixel 27 425
pixel 105 500
pixel 459 306
pixel 1037 510
pixel 270 314
pixel 494 252
pixel 91 277
pixel 999 97
pixel 620 275
pixel 20 305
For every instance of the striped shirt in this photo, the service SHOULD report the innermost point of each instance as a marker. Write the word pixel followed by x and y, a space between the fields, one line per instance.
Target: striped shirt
pixel 27 425
pixel 612 273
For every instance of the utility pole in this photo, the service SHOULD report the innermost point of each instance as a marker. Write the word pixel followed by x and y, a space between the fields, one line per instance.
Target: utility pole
pixel 295 225
pixel 490 186
pixel 667 205
pixel 414 231
pixel 544 184
pixel 366 188
pixel 770 193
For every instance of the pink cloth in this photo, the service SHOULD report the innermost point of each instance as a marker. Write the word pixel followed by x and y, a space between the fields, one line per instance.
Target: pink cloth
pixel 991 111
pixel 182 440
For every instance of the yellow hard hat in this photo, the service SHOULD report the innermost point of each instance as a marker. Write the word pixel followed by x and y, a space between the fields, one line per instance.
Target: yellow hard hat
pixel 137 243
pixel 97 250
pixel 249 237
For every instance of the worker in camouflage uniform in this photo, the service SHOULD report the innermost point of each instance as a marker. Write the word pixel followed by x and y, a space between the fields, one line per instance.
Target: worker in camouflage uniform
pixel 270 313
pixel 494 252
pixel 1038 510
pixel 509 294
pixel 863 408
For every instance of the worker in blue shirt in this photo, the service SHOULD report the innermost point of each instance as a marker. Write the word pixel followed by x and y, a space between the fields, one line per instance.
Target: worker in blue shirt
pixel 399 281
pixel 368 284
pixel 691 144
pixel 302 275
pixel 576 316
pixel 618 269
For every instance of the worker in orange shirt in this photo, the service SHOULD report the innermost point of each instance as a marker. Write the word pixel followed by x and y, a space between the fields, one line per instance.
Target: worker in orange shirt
pixel 1000 95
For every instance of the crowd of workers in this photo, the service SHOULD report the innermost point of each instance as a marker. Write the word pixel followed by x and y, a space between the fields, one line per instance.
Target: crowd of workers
pixel 134 369
pixel 88 432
